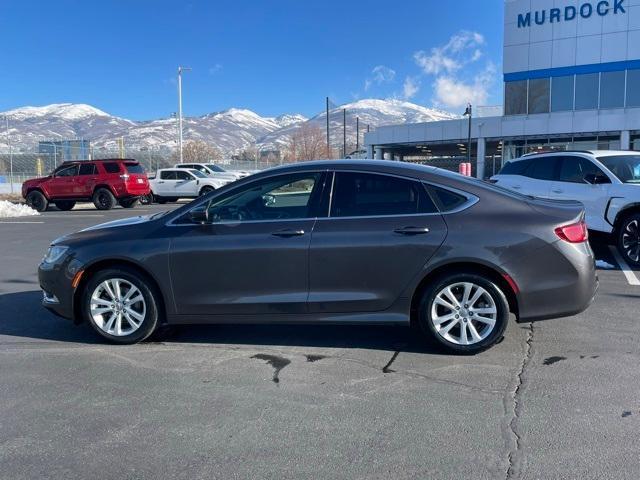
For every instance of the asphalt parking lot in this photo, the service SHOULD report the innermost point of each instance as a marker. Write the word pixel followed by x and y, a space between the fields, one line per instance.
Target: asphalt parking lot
pixel 557 399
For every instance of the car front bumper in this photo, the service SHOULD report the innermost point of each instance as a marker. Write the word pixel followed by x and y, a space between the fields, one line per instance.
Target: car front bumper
pixel 56 281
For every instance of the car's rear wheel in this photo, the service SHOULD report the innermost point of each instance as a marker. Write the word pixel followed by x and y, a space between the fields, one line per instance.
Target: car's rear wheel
pixel 103 199
pixel 37 201
pixel 129 203
pixel 146 199
pixel 65 205
pixel 121 305
pixel 160 200
pixel 629 239
pixel 464 313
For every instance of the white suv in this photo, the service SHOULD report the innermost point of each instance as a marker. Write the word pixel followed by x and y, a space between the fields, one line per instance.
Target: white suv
pixel 170 184
pixel 211 170
pixel 606 182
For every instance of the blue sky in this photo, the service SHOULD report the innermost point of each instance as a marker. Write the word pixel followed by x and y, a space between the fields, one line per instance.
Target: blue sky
pixel 272 57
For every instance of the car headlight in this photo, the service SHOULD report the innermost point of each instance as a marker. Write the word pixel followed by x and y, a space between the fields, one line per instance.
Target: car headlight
pixel 54 253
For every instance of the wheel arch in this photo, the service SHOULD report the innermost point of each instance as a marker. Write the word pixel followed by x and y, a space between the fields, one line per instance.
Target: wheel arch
pixel 103 264
pixel 106 186
pixel 633 208
pixel 464 267
pixel 38 189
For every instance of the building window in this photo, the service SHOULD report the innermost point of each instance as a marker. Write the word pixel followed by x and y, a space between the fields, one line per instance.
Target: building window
pixel 515 96
pixel 587 91
pixel 562 93
pixel 539 95
pixel 633 88
pixel 612 89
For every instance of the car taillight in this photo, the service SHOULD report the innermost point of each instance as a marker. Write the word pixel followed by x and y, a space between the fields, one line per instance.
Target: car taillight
pixel 125 176
pixel 574 233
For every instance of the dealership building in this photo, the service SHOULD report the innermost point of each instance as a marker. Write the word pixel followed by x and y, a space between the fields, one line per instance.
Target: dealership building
pixel 571 73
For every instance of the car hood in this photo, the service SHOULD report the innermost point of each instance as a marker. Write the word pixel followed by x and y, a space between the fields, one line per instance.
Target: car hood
pixel 120 223
pixel 37 181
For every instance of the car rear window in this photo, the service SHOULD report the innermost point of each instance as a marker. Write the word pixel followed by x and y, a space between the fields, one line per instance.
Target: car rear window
pixel 134 168
pixel 111 167
pixel 516 167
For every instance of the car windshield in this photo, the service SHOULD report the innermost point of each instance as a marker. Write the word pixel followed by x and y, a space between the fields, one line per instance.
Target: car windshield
pixel 625 167
pixel 215 167
pixel 198 173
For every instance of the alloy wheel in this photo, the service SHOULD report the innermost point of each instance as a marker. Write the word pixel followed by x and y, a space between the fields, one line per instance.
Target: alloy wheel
pixel 464 313
pixel 631 240
pixel 117 307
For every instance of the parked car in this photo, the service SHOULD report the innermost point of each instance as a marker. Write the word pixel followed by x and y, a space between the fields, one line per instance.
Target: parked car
pixel 171 184
pixel 210 170
pixel 103 182
pixel 332 242
pixel 607 183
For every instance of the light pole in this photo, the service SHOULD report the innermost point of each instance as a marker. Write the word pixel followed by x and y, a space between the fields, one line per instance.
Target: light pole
pixel 6 119
pixel 469 112
pixel 55 152
pixel 180 70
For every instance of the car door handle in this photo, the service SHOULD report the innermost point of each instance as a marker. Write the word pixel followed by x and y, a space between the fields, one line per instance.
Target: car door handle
pixel 412 230
pixel 517 187
pixel 160 182
pixel 288 233
pixel 557 190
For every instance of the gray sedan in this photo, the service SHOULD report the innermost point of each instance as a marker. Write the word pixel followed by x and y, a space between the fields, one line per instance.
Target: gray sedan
pixel 332 242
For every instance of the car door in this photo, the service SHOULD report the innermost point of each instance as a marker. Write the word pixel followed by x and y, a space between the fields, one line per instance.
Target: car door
pixel 539 175
pixel 186 184
pixel 165 185
pixel 86 180
pixel 572 185
pixel 381 231
pixel 251 256
pixel 63 182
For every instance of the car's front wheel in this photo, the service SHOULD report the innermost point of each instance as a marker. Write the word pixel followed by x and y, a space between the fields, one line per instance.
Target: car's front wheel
pixel 629 239
pixel 206 189
pixel 464 313
pixel 121 305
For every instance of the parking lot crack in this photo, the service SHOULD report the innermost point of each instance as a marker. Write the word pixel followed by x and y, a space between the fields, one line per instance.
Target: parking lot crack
pixel 513 409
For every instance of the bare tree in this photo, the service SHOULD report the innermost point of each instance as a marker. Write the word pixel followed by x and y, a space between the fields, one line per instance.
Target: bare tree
pixel 199 151
pixel 308 142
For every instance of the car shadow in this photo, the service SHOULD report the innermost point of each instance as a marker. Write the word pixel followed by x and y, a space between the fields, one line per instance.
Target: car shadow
pixel 23 316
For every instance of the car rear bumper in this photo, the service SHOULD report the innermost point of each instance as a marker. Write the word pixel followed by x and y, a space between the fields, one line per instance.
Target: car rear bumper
pixel 557 281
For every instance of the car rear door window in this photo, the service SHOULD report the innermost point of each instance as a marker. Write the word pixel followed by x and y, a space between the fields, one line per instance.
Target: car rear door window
pixel 543 168
pixel 446 199
pixel 358 194
pixel 87 169
pixel 111 167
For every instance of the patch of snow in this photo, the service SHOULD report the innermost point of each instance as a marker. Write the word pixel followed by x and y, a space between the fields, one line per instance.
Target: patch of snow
pixel 9 210
pixel 601 264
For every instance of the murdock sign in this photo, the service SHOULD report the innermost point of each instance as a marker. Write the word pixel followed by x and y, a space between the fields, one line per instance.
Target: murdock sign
pixel 567 14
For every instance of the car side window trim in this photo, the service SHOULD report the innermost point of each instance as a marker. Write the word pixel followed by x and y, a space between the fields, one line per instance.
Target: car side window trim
pixel 174 221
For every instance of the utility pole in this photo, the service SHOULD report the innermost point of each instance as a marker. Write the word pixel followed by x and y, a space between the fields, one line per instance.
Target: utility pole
pixel 344 133
pixel 180 70
pixel 6 119
pixel 328 141
pixel 357 134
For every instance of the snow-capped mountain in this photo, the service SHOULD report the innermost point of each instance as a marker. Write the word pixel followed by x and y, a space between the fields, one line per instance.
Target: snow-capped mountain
pixel 230 131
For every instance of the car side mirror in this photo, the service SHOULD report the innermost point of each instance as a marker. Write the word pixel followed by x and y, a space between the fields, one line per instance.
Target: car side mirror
pixel 199 216
pixel 596 179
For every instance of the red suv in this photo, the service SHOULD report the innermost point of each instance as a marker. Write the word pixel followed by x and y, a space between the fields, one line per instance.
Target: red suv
pixel 104 182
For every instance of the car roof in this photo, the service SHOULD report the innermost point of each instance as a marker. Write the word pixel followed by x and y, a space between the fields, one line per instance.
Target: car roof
pixel 595 153
pixel 347 163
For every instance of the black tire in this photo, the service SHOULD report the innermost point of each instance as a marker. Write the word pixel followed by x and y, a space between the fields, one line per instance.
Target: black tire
pixel 206 189
pixel 146 199
pixel 160 200
pixel 129 203
pixel 493 335
pixel 65 205
pixel 103 199
pixel 37 201
pixel 172 199
pixel 629 239
pixel 148 291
